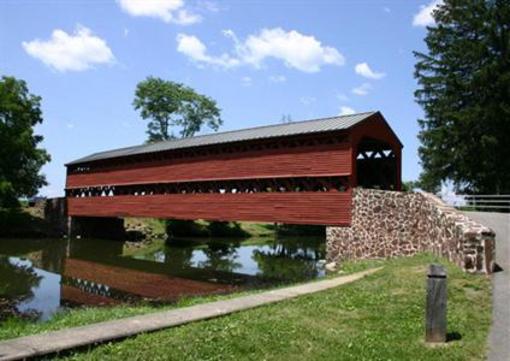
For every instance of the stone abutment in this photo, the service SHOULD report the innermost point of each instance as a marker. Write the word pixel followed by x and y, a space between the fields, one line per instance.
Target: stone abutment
pixel 388 224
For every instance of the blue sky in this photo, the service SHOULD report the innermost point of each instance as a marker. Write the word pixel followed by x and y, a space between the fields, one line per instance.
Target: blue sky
pixel 258 59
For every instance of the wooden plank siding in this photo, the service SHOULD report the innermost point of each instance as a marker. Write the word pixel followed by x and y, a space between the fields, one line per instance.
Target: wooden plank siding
pixel 319 160
pixel 171 183
pixel 326 208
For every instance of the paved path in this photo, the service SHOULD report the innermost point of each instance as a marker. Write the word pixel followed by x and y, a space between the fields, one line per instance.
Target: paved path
pixel 52 342
pixel 499 337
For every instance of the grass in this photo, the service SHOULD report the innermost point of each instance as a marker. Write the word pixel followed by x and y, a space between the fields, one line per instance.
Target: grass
pixel 157 225
pixel 377 318
pixel 258 229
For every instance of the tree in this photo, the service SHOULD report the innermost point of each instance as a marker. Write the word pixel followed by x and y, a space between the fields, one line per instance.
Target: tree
pixel 286 118
pixel 410 186
pixel 464 90
pixel 20 159
pixel 17 283
pixel 168 104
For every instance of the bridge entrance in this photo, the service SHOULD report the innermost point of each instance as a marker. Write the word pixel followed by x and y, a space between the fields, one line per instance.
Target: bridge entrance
pixel 377 165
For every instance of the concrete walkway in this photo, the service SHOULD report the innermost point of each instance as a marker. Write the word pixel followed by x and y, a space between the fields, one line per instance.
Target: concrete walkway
pixel 499 337
pixel 52 342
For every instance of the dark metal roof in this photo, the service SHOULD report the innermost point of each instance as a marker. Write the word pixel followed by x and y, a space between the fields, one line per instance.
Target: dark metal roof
pixel 269 131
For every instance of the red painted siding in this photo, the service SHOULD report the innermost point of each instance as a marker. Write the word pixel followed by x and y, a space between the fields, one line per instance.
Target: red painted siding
pixel 328 208
pixel 313 155
pixel 323 160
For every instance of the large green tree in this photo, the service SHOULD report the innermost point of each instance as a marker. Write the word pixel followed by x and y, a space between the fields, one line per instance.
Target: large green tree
pixel 20 157
pixel 170 105
pixel 464 89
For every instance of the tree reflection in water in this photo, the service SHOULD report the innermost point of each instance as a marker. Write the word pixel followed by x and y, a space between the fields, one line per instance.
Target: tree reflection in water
pixel 16 282
pixel 221 255
pixel 290 260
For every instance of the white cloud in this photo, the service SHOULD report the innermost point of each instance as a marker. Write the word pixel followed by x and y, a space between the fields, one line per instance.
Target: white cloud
pixel 307 100
pixel 78 51
pixel 211 6
pixel 170 11
pixel 363 89
pixel 302 52
pixel 386 9
pixel 192 47
pixel 342 97
pixel 345 110
pixel 246 81
pixel 364 70
pixel 298 51
pixel 277 79
pixel 424 16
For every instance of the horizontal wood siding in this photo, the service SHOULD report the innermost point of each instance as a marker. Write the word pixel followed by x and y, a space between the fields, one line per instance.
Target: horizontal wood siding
pixel 323 160
pixel 327 208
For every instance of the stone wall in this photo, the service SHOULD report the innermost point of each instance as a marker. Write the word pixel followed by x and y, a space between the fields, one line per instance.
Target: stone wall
pixel 387 224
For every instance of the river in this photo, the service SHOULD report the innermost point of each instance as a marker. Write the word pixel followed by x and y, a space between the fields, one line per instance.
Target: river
pixel 41 277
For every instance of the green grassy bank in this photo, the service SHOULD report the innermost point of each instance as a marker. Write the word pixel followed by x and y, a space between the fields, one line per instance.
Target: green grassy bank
pixel 377 318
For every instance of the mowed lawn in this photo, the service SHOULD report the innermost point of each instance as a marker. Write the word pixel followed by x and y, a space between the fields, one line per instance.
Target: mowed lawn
pixel 380 317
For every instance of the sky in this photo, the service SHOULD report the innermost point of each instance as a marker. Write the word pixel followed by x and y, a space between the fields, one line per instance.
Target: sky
pixel 260 60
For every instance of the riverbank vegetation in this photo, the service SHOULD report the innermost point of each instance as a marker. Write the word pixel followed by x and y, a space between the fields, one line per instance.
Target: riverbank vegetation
pixel 176 228
pixel 148 234
pixel 377 318
pixel 20 222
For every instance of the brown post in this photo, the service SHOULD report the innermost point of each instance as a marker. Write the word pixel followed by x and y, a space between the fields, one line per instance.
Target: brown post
pixel 398 159
pixel 435 322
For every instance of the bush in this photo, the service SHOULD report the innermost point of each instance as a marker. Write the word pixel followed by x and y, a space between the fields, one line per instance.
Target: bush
pixel 18 223
pixel 226 229
pixel 179 228
pixel 300 230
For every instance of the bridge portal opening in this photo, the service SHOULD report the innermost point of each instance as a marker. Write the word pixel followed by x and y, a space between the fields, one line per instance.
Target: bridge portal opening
pixel 377 165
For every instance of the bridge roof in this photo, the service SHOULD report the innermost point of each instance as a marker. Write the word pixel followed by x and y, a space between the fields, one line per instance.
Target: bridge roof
pixel 322 125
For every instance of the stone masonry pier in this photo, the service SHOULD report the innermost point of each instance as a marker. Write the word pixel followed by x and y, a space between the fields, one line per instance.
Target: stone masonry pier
pixel 388 224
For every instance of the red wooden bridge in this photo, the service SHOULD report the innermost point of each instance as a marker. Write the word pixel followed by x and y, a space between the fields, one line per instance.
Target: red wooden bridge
pixel 297 173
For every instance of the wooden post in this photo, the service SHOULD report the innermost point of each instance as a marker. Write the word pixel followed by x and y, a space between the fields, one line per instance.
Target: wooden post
pixel 436 304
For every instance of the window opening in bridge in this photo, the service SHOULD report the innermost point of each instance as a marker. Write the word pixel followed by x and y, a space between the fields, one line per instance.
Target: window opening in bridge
pixel 281 185
pixel 376 165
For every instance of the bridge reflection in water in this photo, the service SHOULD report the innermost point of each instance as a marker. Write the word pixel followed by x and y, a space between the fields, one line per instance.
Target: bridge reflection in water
pixel 94 272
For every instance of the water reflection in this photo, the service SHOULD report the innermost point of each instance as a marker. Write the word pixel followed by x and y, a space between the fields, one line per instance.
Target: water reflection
pixel 41 276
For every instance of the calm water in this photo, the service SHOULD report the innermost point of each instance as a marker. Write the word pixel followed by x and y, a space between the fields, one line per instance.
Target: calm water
pixel 40 277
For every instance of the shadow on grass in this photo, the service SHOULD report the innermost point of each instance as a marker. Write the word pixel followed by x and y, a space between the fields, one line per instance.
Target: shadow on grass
pixel 453 336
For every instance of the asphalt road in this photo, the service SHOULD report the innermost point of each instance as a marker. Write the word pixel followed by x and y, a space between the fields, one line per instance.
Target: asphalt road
pixel 499 337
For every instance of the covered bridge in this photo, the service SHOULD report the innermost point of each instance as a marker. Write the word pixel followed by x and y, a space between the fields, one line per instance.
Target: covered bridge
pixel 297 173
